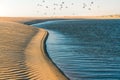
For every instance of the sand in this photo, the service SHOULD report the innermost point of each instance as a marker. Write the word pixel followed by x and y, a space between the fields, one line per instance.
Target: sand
pixel 41 64
pixel 22 55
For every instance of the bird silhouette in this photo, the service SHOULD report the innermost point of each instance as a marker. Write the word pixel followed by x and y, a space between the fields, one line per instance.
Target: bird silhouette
pixel 43 1
pixel 54 8
pixel 46 6
pixel 72 3
pixel 89 8
pixel 66 7
pixel 38 4
pixel 63 2
pixel 92 2
pixel 84 5
pixel 55 4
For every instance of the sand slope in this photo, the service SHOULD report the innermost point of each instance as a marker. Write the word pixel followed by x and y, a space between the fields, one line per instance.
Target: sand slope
pixel 38 62
pixel 14 38
pixel 22 55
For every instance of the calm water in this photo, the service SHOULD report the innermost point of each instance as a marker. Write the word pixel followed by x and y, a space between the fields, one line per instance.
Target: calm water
pixel 85 49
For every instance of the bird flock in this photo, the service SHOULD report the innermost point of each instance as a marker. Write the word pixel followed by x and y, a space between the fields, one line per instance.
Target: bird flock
pixel 61 5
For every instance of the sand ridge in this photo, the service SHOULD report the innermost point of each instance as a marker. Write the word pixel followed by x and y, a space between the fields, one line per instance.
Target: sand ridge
pixel 14 38
pixel 38 62
pixel 22 55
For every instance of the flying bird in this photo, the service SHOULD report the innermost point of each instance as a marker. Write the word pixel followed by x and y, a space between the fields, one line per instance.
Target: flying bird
pixel 66 7
pixel 55 4
pixel 43 1
pixel 38 4
pixel 72 4
pixel 46 6
pixel 63 2
pixel 54 8
pixel 89 8
pixel 84 5
pixel 92 2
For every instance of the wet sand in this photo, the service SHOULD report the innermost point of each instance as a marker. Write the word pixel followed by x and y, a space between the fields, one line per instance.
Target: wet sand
pixel 22 55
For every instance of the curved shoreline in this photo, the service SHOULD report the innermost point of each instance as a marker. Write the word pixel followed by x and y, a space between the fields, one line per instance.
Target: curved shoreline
pixel 52 62
pixel 38 61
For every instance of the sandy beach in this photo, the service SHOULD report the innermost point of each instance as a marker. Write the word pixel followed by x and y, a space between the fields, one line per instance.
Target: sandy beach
pixel 22 55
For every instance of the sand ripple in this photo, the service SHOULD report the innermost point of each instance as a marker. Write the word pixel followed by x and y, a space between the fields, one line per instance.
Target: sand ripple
pixel 22 55
pixel 14 38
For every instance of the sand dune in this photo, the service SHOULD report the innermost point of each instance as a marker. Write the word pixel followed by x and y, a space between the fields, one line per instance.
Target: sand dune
pixel 14 38
pixel 22 55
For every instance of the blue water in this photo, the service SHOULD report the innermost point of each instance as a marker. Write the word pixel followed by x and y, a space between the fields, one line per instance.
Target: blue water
pixel 85 49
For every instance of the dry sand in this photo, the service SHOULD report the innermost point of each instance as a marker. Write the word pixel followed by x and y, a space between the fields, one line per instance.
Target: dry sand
pixel 22 55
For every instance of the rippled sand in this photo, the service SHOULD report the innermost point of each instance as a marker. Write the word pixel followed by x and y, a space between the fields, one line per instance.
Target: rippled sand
pixel 14 38
pixel 22 55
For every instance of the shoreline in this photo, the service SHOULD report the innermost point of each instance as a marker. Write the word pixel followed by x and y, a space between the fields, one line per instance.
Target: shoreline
pixel 33 60
pixel 51 71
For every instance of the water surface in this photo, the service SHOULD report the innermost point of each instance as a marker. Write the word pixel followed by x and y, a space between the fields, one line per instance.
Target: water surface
pixel 85 49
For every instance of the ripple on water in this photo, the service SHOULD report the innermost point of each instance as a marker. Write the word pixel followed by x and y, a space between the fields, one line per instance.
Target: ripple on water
pixel 85 49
